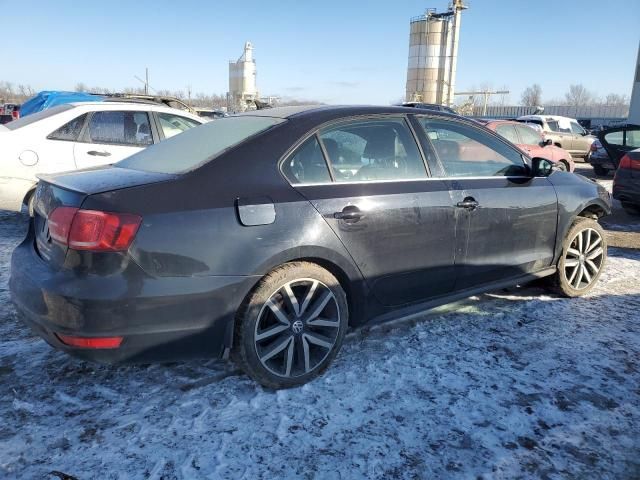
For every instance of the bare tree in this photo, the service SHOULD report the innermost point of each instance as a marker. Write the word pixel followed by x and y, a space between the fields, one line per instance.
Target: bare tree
pixel 532 96
pixel 80 87
pixel 579 96
pixel 616 99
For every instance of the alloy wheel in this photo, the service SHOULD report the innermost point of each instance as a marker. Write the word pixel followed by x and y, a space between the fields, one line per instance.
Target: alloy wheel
pixel 583 259
pixel 297 328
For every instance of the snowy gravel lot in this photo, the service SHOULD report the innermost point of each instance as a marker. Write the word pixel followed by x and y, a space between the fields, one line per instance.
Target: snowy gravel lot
pixel 514 384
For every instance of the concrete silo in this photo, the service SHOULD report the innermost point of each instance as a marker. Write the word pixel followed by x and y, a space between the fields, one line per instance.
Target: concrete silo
pixel 433 50
pixel 242 80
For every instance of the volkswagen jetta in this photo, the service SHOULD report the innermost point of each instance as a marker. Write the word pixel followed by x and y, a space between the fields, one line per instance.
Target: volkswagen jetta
pixel 266 235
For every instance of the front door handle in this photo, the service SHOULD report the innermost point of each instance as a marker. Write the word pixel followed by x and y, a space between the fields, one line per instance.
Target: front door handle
pixel 95 153
pixel 350 214
pixel 469 203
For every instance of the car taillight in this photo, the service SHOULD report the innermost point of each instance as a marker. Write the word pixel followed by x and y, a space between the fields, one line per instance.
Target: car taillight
pixel 93 230
pixel 90 342
pixel 15 114
pixel 629 163
pixel 594 147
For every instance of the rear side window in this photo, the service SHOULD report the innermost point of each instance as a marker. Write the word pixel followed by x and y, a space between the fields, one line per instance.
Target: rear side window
pixel 370 150
pixel 508 132
pixel 307 164
pixel 197 146
pixel 553 125
pixel 69 131
pixel 120 128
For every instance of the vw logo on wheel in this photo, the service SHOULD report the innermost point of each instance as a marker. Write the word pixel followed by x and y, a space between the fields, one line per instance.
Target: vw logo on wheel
pixel 297 327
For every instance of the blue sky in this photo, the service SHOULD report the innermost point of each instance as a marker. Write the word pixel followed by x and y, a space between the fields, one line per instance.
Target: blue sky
pixel 336 51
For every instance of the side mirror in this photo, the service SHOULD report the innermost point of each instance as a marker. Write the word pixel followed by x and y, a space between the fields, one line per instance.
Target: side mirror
pixel 541 167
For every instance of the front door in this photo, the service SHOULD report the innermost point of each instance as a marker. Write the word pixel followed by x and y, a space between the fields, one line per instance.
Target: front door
pixel 508 219
pixel 397 224
pixel 111 136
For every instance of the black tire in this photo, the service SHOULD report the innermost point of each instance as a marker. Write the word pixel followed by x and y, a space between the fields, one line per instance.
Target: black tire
pixel 563 166
pixel 263 311
pixel 631 208
pixel 600 170
pixel 565 281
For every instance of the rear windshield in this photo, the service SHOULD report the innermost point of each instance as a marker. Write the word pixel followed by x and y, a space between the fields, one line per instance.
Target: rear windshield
pixel 34 117
pixel 197 146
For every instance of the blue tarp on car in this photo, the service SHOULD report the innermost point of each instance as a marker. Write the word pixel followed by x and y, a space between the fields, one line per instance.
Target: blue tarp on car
pixel 48 99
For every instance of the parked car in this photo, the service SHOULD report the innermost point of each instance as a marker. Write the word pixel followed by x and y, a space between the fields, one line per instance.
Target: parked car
pixel 211 113
pixel 626 182
pixel 266 235
pixel 429 106
pixel 531 142
pixel 79 135
pixel 9 112
pixel 564 132
pixel 599 159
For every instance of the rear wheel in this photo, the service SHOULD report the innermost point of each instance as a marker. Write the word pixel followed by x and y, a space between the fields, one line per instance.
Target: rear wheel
pixel 584 253
pixel 289 330
pixel 600 170
pixel 630 208
pixel 563 166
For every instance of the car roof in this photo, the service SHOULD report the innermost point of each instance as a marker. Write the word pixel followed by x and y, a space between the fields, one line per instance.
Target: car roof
pixel 302 111
pixel 544 117
pixel 132 106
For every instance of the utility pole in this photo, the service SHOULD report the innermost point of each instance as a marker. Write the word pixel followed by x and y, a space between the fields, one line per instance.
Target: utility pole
pixel 146 80
pixel 486 94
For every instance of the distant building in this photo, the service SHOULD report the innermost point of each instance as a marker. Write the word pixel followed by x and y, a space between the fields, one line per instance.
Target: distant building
pixel 242 82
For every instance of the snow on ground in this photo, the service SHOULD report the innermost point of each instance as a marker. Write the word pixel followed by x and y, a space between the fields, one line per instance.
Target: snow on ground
pixel 516 384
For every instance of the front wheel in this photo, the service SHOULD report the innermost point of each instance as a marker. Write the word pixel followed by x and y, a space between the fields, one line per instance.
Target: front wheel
pixel 289 330
pixel 584 253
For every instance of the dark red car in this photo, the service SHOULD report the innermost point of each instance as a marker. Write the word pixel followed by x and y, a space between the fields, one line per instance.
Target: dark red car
pixel 531 142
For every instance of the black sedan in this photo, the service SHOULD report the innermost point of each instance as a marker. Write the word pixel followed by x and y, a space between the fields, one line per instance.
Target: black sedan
pixel 267 235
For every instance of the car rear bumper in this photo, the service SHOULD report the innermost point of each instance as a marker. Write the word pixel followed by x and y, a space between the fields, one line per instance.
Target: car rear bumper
pixel 161 319
pixel 626 188
pixel 604 162
pixel 13 191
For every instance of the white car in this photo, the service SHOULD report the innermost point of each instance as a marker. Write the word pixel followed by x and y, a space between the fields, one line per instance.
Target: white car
pixel 79 135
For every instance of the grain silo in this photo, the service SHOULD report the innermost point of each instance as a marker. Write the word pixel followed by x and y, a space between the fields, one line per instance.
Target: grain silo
pixel 433 50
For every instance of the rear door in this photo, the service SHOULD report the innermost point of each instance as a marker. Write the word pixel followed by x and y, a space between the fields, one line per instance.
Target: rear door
pixel 618 141
pixel 111 136
pixel 397 224
pixel 508 219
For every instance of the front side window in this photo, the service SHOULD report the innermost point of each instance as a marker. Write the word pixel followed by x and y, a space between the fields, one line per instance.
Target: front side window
pixel 172 125
pixel 466 151
pixel 633 138
pixel 120 128
pixel 528 136
pixel 307 165
pixel 70 130
pixel 508 132
pixel 371 150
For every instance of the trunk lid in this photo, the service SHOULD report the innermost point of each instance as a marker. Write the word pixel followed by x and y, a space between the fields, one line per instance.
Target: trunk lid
pixel 70 190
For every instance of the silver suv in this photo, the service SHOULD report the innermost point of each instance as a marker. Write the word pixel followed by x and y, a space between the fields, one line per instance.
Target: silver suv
pixel 565 132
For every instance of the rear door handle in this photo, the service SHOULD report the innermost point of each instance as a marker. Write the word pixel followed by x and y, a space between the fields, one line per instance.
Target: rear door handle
pixel 469 203
pixel 349 214
pixel 95 153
